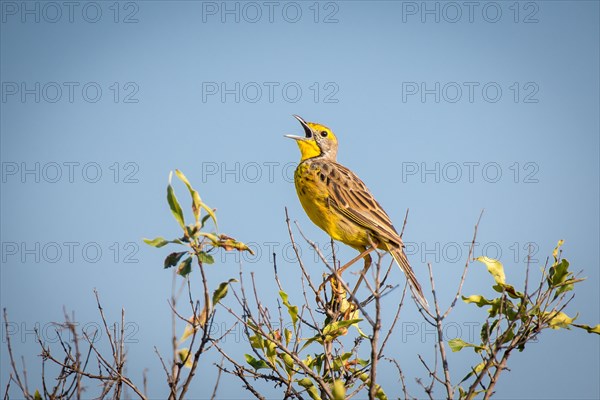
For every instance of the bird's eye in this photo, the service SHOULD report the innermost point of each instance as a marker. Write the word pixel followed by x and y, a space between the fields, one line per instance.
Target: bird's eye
pixel 324 133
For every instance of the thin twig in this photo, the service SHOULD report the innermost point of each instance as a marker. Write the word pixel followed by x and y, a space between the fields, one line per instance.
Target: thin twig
pixel 375 336
pixel 16 377
pixel 467 263
pixel 440 337
pixel 220 370
pixel 396 317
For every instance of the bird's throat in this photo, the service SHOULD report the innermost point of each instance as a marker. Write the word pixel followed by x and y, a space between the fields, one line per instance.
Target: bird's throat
pixel 308 149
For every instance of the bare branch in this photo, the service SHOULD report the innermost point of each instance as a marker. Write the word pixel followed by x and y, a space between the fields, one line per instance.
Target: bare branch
pixel 15 373
pixel 467 263
pixel 219 371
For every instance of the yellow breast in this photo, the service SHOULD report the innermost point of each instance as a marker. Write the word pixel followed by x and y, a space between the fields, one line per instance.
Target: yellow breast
pixel 313 194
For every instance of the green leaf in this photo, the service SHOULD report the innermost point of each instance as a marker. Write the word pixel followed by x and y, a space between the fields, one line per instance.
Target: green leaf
pixel 256 342
pixel 331 331
pixel 174 204
pixel 360 332
pixel 495 268
pixel 229 243
pixel 556 249
pixel 183 179
pixel 309 341
pixel 508 289
pixel 186 357
pixel 563 288
pixel 457 344
pixel 589 329
pixel 559 320
pixel 185 267
pixel 340 362
pixel 512 292
pixel 315 363
pixel 462 393
pixel 288 362
pixel 380 394
pixel 508 335
pixel 487 330
pixel 559 272
pixel 479 300
pixel 362 363
pixel 251 325
pixel 213 238
pixel 319 361
pixel 338 390
pixel 203 221
pixel 334 328
pixel 305 382
pixel 194 322
pixel 157 242
pixel 364 377
pixel 205 258
pixel 37 395
pixel 292 310
pixel 288 336
pixel 308 361
pixel 196 201
pixel 478 368
pixel 254 363
pixel 173 258
pixel 310 388
pixel 221 291
pixel 502 305
pixel 211 213
pixel 192 231
pixel 271 351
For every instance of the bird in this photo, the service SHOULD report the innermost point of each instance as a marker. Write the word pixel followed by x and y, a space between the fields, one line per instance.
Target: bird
pixel 337 201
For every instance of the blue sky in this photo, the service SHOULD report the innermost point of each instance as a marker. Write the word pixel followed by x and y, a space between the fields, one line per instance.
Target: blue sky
pixel 438 107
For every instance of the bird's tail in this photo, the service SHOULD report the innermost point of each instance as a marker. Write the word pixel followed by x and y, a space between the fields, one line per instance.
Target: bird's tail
pixel 415 287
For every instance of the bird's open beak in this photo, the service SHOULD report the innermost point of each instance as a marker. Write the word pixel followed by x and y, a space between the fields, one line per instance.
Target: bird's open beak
pixel 307 130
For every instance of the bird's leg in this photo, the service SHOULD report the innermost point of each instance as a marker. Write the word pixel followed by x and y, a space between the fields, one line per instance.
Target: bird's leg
pixel 334 277
pixel 368 261
pixel 364 254
pixel 338 273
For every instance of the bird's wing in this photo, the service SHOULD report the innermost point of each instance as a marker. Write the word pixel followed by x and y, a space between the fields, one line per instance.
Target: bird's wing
pixel 349 195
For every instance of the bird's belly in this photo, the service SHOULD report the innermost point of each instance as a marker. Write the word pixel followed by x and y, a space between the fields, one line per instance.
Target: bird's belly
pixel 314 199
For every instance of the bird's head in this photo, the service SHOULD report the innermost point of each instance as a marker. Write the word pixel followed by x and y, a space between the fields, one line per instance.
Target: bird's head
pixel 318 140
